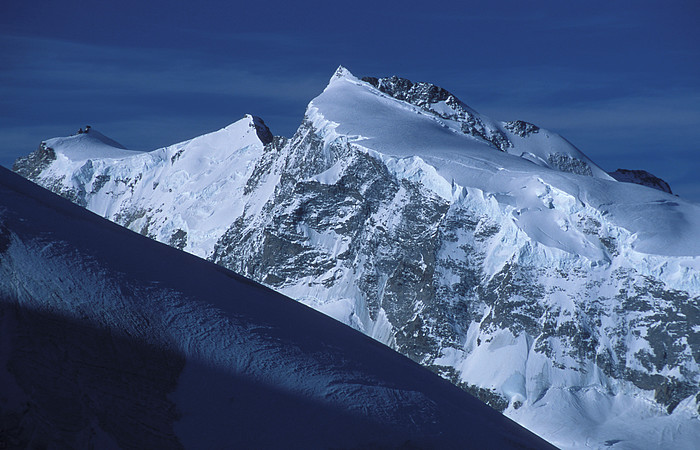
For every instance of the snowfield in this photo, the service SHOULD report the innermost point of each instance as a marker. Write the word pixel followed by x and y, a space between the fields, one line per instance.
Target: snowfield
pixel 494 253
pixel 110 339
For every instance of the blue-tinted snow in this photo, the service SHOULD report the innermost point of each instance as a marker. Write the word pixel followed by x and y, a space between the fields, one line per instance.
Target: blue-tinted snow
pixel 260 369
pixel 662 223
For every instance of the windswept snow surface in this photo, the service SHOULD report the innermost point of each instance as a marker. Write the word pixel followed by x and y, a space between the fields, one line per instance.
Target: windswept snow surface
pixel 114 340
pixel 90 145
pixel 192 186
pixel 422 146
pixel 495 253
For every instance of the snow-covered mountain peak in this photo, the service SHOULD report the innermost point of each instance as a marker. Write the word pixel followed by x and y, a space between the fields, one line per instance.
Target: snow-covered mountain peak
pixel 420 94
pixel 540 177
pixel 342 73
pixel 216 166
pixel 249 130
pixel 92 134
pixel 495 253
pixel 375 106
pixel 88 144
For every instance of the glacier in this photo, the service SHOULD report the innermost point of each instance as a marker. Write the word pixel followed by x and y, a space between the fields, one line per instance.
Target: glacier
pixel 494 253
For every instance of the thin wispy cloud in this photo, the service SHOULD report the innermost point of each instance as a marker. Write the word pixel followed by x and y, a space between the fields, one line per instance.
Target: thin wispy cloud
pixel 92 69
pixel 615 79
pixel 650 112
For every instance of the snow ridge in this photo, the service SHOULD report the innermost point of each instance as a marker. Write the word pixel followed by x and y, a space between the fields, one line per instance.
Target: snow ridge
pixel 521 272
pixel 113 340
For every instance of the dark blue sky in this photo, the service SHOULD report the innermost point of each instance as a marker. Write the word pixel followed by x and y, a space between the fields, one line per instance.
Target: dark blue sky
pixel 620 80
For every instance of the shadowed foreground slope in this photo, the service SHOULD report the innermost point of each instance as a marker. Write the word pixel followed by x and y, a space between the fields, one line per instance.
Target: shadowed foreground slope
pixel 110 339
pixel 495 253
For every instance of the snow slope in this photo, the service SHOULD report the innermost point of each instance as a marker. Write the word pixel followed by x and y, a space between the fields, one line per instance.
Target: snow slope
pixel 494 253
pixel 410 140
pixel 113 340
pixel 188 184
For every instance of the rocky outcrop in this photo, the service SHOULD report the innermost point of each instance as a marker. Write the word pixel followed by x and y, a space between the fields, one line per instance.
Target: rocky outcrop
pixel 471 285
pixel 427 96
pixel 641 177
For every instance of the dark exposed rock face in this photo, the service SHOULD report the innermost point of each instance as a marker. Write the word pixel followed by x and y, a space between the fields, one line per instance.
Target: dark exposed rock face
pixel 521 128
pixel 419 94
pixel 566 163
pixel 109 340
pixel 178 239
pixel 641 177
pixel 419 262
pixel 263 132
pixel 33 164
pixel 441 280
pixel 426 95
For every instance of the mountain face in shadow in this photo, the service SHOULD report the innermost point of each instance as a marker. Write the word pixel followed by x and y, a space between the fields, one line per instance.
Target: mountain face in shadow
pixel 112 340
pixel 496 254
